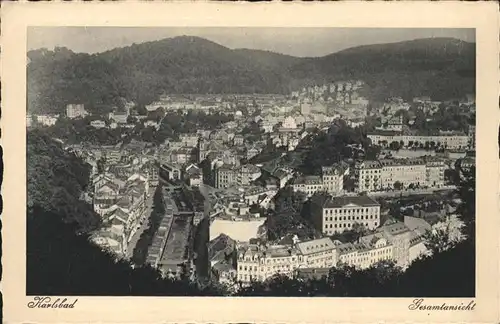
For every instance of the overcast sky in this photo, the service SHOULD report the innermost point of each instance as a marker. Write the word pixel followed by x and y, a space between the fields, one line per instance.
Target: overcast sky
pixel 292 41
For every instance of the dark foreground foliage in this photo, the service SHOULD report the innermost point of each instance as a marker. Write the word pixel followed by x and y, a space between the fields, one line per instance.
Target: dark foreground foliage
pixel 59 262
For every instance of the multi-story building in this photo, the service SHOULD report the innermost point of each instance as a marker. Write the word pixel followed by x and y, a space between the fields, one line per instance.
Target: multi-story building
pixel 169 172
pixel 308 185
pixel 386 173
pixel 229 174
pixel 370 250
pixel 333 178
pixel 189 140
pixel 152 169
pixel 225 176
pixel 76 111
pixel 238 140
pixel 337 214
pixel 368 174
pixel 320 253
pixel 392 123
pixel 105 196
pixel 181 155
pixel 119 117
pixel 405 171
pixel 331 181
pixel 257 263
pixel 246 174
pixel 112 155
pixel 434 173
pixel 193 175
pixel 399 235
pixel 449 140
pixel 47 120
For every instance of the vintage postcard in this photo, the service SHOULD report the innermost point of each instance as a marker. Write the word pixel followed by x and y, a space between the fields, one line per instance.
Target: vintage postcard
pixel 237 162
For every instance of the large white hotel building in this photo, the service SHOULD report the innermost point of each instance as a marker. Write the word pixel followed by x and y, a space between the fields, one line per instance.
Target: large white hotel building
pixel 383 174
pixel 448 140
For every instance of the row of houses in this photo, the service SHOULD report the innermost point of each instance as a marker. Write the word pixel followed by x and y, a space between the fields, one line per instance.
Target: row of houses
pixel 400 242
pixel 122 204
pixel 259 262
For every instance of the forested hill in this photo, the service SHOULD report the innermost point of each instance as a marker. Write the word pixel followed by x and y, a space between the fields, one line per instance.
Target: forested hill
pixel 55 181
pixel 440 67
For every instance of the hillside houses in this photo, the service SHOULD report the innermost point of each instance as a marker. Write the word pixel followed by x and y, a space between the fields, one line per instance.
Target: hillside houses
pixel 122 205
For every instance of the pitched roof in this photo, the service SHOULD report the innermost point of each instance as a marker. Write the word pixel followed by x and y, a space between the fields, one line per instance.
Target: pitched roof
pixel 315 246
pixel 361 201
pixel 280 174
pixel 417 224
pixel 110 184
pixel 118 215
pixel 124 202
pixel 223 267
pixel 394 229
pixel 312 179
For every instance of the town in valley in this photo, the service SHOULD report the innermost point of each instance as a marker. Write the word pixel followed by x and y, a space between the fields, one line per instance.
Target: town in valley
pixel 235 189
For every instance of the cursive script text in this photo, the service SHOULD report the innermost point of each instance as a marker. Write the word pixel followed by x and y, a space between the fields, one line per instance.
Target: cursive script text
pixel 419 304
pixel 48 302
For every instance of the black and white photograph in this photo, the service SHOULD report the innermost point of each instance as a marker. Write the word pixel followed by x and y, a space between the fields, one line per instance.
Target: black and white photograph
pixel 231 161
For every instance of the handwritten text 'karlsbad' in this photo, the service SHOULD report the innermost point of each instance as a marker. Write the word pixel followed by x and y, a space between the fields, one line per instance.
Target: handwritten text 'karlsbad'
pixel 47 302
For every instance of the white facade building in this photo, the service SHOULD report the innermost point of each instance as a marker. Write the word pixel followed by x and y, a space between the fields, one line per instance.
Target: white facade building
pixel 76 111
pixel 384 174
pixel 448 141
pixel 336 214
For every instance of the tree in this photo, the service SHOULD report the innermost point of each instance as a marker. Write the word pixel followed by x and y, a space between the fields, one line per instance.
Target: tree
pixel 56 180
pixel 395 146
pixel 349 185
pixel 398 185
pixel 141 110
pixel 131 120
pixel 372 152
pixel 438 240
pixel 359 229
pixel 451 176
